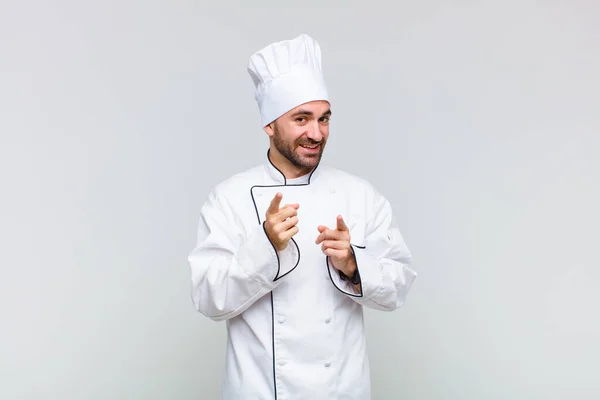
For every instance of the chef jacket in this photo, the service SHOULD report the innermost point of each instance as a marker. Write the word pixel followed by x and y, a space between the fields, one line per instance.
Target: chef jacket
pixel 295 326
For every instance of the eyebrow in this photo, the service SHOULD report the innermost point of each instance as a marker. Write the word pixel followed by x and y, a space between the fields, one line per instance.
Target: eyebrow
pixel 310 113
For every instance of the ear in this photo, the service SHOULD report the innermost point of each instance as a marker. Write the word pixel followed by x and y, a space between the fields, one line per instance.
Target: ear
pixel 269 129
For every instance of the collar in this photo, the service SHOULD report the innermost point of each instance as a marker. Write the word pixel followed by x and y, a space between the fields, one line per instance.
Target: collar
pixel 278 176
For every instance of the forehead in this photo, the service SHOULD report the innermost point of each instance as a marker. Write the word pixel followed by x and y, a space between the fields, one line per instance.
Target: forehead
pixel 317 107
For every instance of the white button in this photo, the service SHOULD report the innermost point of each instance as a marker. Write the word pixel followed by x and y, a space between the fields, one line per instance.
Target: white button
pixel 281 319
pixel 281 363
pixel 328 320
pixel 327 365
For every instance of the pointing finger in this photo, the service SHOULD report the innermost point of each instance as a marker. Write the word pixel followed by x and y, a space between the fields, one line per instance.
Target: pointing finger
pixel 341 225
pixel 274 206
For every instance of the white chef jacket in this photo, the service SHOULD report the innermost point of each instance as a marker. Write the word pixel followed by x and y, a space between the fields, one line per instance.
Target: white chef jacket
pixel 295 328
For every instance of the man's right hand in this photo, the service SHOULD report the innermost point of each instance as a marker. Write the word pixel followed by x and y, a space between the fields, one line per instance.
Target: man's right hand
pixel 280 223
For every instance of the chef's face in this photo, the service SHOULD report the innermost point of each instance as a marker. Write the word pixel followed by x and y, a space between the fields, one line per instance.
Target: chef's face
pixel 300 135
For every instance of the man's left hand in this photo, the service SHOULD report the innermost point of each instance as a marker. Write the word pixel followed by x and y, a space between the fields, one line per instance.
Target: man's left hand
pixel 335 243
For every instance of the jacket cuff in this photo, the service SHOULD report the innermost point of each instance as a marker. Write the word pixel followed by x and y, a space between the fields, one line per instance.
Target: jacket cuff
pixel 370 274
pixel 288 259
pixel 368 269
pixel 262 263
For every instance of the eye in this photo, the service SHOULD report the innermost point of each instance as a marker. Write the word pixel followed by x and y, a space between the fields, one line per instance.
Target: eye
pixel 301 119
pixel 325 119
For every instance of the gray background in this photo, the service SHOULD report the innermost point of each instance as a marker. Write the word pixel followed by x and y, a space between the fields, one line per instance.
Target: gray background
pixel 478 120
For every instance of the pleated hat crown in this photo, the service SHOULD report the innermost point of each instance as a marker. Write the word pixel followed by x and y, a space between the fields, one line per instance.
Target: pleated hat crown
pixel 287 74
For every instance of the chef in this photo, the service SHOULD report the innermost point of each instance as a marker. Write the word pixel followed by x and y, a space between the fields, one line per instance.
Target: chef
pixel 290 252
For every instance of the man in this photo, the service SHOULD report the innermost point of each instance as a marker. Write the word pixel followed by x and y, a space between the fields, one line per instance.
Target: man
pixel 289 252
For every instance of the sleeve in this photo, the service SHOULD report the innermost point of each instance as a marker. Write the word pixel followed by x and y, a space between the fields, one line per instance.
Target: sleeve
pixel 230 270
pixel 384 263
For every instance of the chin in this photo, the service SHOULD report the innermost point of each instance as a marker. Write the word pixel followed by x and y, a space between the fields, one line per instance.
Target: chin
pixel 311 161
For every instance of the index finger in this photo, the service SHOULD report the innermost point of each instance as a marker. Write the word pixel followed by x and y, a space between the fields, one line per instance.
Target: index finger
pixel 341 225
pixel 274 206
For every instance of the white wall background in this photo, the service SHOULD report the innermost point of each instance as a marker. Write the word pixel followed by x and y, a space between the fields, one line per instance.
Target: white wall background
pixel 480 121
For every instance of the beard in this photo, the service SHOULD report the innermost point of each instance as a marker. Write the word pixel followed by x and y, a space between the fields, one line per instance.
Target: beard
pixel 287 148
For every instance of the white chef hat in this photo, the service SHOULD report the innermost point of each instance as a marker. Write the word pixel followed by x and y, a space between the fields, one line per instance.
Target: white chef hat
pixel 287 74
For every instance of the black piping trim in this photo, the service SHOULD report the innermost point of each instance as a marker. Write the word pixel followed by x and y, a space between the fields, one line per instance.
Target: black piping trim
pixel 332 281
pixel 297 262
pixel 284 178
pixel 276 253
pixel 278 261
pixel 273 344
pixel 278 170
pixel 254 203
pixel 277 277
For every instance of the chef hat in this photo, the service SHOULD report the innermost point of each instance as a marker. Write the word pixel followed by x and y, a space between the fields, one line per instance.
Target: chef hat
pixel 287 74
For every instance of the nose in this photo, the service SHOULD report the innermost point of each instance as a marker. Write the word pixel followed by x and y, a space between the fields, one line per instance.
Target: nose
pixel 314 132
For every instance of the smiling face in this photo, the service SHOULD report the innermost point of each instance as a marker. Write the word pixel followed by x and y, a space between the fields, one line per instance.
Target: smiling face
pixel 298 138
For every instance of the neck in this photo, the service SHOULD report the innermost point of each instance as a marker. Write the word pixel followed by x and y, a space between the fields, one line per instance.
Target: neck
pixel 289 170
